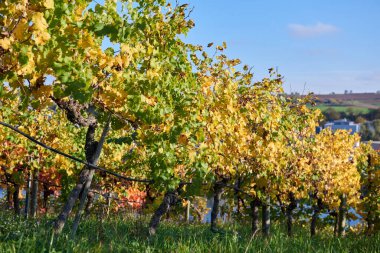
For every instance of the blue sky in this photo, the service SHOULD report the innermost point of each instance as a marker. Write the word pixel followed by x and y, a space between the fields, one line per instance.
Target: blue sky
pixel 318 45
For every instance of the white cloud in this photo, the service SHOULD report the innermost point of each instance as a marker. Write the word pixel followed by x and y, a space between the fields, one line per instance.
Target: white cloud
pixel 305 31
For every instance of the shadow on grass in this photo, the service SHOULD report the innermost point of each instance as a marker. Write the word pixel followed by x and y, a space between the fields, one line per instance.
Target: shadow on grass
pixel 126 234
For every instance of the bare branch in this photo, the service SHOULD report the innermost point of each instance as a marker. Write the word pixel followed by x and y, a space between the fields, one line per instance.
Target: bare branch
pixel 74 112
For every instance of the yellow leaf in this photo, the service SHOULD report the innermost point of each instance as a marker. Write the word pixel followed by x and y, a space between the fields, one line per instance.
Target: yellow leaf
pixel 21 28
pixel 152 73
pixel 40 28
pixel 192 155
pixel 5 43
pixel 39 22
pixel 49 4
pixel 125 48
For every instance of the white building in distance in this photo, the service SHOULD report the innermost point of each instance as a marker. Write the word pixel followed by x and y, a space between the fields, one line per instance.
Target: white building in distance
pixel 343 124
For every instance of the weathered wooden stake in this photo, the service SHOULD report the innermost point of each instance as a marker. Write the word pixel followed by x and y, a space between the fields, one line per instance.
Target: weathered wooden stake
pixel 266 216
pixel 34 195
pixel 27 195
pixel 255 204
pixel 188 211
pixel 342 215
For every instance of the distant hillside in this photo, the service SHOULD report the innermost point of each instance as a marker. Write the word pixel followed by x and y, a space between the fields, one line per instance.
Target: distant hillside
pixel 356 101
pixel 370 99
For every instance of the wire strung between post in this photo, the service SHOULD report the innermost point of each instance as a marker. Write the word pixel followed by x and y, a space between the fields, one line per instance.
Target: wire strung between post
pixel 149 181
pixel 73 157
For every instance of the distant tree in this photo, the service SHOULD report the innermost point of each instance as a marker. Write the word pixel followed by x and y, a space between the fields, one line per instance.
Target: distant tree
pixel 360 120
pixel 350 114
pixel 376 127
pixel 370 131
pixel 365 132
pixel 331 114
pixel 376 114
pixel 373 114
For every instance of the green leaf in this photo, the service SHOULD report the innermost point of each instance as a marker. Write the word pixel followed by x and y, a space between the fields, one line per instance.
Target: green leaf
pixel 35 104
pixel 109 51
pixel 23 58
pixel 98 27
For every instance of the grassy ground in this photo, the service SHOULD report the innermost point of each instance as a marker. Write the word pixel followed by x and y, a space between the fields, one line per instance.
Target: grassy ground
pixel 344 108
pixel 129 235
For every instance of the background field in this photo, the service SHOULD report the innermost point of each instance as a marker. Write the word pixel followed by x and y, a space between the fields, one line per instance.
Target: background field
pixel 357 102
pixel 344 108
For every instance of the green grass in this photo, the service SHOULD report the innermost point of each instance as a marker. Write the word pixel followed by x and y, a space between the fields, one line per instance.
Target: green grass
pixel 122 234
pixel 344 108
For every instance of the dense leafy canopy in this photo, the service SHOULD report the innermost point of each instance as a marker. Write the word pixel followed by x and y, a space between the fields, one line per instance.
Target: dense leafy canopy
pixel 178 115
